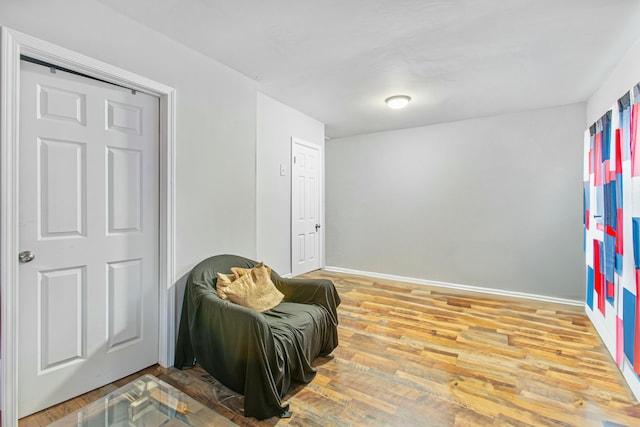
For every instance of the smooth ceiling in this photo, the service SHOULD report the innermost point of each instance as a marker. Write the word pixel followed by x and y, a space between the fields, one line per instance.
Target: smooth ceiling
pixel 336 61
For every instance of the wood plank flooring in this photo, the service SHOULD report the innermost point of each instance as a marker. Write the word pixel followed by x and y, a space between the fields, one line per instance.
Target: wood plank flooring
pixel 413 355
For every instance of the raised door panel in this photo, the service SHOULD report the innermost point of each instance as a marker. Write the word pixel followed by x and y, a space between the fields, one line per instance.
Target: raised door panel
pixel 311 199
pixel 61 187
pixel 58 104
pixel 124 117
pixel 62 317
pixel 311 246
pixel 124 194
pixel 124 303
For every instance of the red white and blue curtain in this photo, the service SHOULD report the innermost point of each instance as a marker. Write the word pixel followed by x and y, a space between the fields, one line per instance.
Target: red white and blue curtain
pixel 612 231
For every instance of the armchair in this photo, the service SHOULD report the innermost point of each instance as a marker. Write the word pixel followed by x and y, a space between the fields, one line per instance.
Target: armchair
pixel 260 355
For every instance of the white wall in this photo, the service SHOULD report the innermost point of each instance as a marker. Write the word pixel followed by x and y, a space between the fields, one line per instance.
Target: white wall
pixel 216 117
pixel 623 77
pixel 491 202
pixel 277 123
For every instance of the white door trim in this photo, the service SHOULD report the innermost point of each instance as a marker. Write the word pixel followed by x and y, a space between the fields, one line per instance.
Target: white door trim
pixel 320 149
pixel 14 44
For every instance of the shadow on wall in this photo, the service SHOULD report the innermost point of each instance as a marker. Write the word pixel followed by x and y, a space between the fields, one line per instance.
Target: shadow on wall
pixel 179 287
pixel 0 353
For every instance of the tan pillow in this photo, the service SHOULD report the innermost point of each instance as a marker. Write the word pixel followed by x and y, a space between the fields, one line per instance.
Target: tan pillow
pixel 238 271
pixel 224 280
pixel 254 289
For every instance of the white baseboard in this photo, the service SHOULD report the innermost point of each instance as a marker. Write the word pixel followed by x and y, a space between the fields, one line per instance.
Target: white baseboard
pixel 469 288
pixel 631 377
pixel 287 276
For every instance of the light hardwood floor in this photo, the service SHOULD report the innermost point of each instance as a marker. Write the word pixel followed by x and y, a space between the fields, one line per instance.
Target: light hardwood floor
pixel 413 355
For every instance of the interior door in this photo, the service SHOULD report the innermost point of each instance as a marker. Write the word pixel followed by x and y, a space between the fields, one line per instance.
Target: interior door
pixel 305 207
pixel 88 190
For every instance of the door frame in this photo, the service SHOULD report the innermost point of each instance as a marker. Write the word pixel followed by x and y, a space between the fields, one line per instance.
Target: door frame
pixel 320 149
pixel 13 44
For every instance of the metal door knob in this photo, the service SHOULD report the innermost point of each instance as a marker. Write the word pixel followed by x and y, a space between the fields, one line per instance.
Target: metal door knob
pixel 26 256
pixel 318 227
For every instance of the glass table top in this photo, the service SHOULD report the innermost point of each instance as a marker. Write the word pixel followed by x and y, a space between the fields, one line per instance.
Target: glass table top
pixel 144 402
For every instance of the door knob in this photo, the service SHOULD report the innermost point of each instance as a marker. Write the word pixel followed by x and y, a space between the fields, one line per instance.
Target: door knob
pixel 317 227
pixel 26 256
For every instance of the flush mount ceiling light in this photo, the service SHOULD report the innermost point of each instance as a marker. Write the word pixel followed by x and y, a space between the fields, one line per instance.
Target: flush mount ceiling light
pixel 397 101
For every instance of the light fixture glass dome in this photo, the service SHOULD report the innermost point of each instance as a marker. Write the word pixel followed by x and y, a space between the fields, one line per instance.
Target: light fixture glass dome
pixel 397 101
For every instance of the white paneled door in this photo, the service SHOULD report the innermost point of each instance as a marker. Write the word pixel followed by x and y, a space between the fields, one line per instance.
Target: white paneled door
pixel 88 236
pixel 305 207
